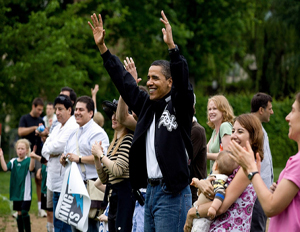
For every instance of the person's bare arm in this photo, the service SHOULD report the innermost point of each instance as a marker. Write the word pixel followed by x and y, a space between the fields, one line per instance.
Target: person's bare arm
pixel 3 164
pixel 23 131
pixel 202 210
pixel 234 190
pixel 31 165
pixel 212 211
pixel 89 159
pixel 99 185
pixel 98 32
pixel 94 92
pixel 225 141
pixel 124 117
pixel 272 203
pixel 212 156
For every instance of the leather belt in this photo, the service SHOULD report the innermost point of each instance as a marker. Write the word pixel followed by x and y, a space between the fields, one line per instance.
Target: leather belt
pixel 155 181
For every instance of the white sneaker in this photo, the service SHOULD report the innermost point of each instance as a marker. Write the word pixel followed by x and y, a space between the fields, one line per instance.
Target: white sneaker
pixel 15 215
pixel 50 227
pixel 42 213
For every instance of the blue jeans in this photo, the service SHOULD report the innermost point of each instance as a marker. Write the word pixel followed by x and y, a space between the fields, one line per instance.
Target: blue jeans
pixel 138 217
pixel 59 226
pixel 165 211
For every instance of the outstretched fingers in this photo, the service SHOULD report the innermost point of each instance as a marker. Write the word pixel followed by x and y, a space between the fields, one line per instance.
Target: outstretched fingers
pixel 96 22
pixel 164 18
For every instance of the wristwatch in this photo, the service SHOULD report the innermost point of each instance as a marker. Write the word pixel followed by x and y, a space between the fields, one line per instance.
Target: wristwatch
pixel 80 159
pixel 176 49
pixel 251 174
pixel 101 156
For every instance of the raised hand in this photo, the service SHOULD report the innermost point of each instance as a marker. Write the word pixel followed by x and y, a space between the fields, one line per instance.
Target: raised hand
pixel 98 32
pixel 130 67
pixel 244 156
pixel 167 31
pixel 95 90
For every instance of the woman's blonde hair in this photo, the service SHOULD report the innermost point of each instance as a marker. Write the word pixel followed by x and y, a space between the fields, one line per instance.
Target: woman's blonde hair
pixel 27 145
pixel 125 132
pixel 223 106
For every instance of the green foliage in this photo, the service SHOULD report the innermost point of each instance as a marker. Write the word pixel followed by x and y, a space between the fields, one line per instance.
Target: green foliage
pixel 46 45
pixel 281 146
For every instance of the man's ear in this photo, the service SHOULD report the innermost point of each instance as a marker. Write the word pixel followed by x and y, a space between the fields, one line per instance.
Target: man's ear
pixel 91 114
pixel 170 82
pixel 261 110
pixel 70 110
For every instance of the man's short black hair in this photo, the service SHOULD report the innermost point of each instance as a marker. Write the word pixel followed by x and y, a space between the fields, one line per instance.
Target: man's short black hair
pixel 38 102
pixel 50 104
pixel 260 100
pixel 165 67
pixel 73 95
pixel 89 103
pixel 64 100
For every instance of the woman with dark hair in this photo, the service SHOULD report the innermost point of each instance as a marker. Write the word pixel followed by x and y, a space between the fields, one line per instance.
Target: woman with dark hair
pixel 236 211
pixel 115 172
pixel 283 203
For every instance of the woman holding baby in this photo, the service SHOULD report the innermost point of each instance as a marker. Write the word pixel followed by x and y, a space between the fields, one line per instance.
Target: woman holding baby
pixel 235 213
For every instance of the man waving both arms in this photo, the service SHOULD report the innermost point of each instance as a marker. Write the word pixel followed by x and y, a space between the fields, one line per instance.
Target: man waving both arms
pixel 161 146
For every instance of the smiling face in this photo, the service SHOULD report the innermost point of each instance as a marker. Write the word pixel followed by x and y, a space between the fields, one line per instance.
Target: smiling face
pixel 21 150
pixel 215 115
pixel 157 83
pixel 293 118
pixel 240 134
pixel 82 115
pixel 115 124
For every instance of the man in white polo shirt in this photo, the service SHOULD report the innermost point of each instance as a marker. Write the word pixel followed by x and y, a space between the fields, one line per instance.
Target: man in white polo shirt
pixel 85 136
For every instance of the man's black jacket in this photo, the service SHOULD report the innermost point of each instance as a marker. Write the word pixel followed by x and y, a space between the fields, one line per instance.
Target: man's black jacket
pixel 173 114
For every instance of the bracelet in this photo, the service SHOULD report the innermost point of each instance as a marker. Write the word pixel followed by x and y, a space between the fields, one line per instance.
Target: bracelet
pixel 197 213
pixel 80 159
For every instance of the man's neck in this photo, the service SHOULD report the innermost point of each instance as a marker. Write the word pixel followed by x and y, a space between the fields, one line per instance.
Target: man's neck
pixel 32 114
pixel 257 115
pixel 85 123
pixel 65 121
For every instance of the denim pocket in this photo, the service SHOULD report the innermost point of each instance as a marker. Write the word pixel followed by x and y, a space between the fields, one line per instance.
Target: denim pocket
pixel 165 189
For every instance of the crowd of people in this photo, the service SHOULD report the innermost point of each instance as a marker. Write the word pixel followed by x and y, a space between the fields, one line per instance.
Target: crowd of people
pixel 153 173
